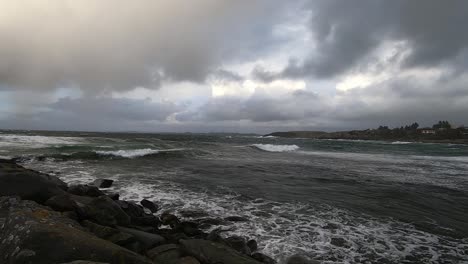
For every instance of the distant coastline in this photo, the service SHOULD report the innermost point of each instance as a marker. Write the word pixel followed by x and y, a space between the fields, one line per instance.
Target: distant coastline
pixel 405 134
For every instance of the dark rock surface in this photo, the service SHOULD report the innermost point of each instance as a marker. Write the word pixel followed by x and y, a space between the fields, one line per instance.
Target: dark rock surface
pixel 167 254
pixel 238 243
pixel 188 260
pixel 150 205
pixel 106 211
pixel 43 221
pixel 62 203
pixel 35 234
pixel 147 240
pixel 263 258
pixel 131 209
pixel 103 183
pixel 28 184
pixel 85 190
pixel 212 253
pixel 169 219
pixel 110 234
pixel 236 219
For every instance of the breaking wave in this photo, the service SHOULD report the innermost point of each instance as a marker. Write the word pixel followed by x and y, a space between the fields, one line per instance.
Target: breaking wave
pixel 12 140
pixel 131 153
pixel 276 148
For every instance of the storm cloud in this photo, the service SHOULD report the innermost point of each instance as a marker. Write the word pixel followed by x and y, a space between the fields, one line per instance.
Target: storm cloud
pixel 347 33
pixel 118 45
pixel 243 66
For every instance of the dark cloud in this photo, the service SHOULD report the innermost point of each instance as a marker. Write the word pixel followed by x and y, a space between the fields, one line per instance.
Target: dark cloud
pixel 258 108
pixel 347 32
pixel 117 45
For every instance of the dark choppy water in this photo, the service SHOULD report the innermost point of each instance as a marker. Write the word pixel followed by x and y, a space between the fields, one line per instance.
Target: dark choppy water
pixel 335 201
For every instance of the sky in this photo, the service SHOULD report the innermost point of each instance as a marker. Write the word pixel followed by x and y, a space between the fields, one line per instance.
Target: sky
pixel 232 66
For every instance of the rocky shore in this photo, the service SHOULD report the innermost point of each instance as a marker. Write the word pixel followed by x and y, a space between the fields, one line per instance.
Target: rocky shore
pixel 43 220
pixel 373 135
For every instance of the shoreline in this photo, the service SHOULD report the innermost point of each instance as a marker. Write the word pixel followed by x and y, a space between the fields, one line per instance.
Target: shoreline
pixel 60 223
pixel 345 136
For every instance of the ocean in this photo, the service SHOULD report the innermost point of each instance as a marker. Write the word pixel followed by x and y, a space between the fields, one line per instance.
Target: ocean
pixel 335 201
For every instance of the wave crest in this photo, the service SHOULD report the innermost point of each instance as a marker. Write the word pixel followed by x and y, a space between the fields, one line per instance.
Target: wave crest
pixel 276 148
pixel 131 153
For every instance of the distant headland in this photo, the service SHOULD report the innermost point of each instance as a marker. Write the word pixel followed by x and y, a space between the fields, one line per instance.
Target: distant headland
pixel 441 132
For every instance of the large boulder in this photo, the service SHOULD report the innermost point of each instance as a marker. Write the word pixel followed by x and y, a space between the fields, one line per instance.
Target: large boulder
pixel 103 183
pixel 28 184
pixel 167 254
pixel 150 205
pixel 84 262
pixel 35 234
pixel 263 258
pixel 62 203
pixel 110 234
pixel 85 190
pixel 169 219
pixel 150 221
pixel 147 240
pixel 105 211
pixel 132 209
pixel 188 260
pixel 238 243
pixel 209 252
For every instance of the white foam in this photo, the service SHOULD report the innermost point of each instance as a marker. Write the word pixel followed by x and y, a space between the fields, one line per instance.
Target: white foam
pixel 13 140
pixel 276 148
pixel 401 142
pixel 130 153
pixel 283 229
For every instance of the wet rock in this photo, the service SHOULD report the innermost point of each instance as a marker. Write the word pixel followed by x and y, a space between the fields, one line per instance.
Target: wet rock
pixel 103 183
pixel 150 205
pixel 215 236
pixel 167 254
pixel 188 260
pixel 331 226
pixel 114 196
pixel 72 215
pixel 28 184
pixel 252 244
pixel 339 242
pixel 189 228
pixel 110 234
pixel 238 243
pixel 61 203
pixel 263 258
pixel 209 252
pixel 173 237
pixel 85 190
pixel 84 262
pixel 132 209
pixel 36 234
pixel 147 229
pixel 193 213
pixel 298 259
pixel 151 221
pixel 208 222
pixel 147 240
pixel 169 219
pixel 236 219
pixel 105 211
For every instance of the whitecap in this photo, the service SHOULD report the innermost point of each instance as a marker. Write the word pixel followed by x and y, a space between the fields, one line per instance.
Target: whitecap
pixel 130 153
pixel 276 148
pixel 36 141
pixel 401 142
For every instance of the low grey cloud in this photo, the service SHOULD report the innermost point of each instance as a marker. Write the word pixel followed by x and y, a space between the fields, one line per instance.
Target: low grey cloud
pixel 117 45
pixel 347 32
pixel 259 108
pixel 96 114
pixel 414 53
